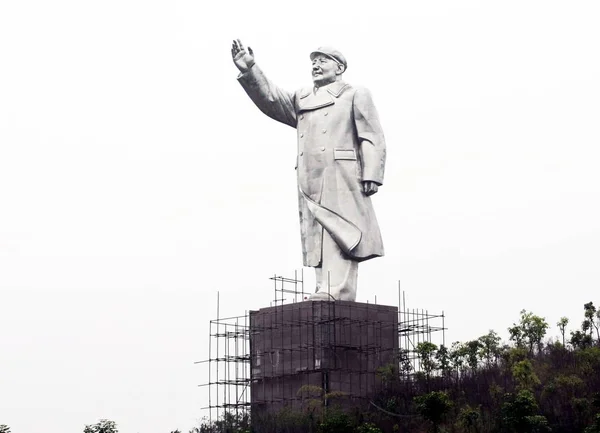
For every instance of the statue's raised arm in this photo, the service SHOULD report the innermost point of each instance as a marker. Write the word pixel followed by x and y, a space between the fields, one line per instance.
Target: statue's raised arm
pixel 243 59
pixel 276 103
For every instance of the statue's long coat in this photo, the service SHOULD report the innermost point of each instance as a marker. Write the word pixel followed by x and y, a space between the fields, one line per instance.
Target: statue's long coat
pixel 340 144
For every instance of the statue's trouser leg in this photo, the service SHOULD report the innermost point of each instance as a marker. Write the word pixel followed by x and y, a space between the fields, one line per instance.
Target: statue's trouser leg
pixel 338 275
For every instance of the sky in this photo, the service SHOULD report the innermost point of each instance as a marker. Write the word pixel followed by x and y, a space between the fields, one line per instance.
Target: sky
pixel 137 181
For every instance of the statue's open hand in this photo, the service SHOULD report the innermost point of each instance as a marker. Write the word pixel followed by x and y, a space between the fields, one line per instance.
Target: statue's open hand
pixel 243 59
pixel 369 187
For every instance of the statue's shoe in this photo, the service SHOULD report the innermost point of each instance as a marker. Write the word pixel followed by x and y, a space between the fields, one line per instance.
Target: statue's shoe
pixel 321 296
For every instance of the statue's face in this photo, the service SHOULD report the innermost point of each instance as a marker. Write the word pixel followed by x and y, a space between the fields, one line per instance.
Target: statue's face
pixel 325 70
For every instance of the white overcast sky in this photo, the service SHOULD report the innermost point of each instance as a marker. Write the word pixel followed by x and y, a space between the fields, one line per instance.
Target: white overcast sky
pixel 137 180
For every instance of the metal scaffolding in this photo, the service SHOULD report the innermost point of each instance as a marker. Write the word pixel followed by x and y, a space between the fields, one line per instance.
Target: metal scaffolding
pixel 294 352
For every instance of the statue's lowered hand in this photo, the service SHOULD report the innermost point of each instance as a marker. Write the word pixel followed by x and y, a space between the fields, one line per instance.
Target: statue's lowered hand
pixel 243 59
pixel 369 187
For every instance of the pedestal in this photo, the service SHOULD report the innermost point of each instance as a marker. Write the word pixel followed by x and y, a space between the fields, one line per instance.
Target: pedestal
pixel 301 350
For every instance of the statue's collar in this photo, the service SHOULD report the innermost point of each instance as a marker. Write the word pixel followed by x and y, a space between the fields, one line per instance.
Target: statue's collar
pixel 336 89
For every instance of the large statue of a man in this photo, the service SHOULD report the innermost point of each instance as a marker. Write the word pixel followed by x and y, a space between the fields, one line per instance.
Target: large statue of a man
pixel 340 164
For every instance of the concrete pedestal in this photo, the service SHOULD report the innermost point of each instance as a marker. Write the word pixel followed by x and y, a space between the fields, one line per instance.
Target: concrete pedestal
pixel 303 349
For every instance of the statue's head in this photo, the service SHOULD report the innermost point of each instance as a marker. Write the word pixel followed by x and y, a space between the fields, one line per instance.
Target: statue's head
pixel 328 65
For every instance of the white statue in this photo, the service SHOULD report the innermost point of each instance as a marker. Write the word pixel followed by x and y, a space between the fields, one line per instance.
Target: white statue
pixel 340 164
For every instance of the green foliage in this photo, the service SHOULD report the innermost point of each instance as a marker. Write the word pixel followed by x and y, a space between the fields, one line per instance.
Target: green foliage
pixel 316 398
pixel 442 358
pixel 524 375
pixel 562 326
pixel 388 374
pixel 595 427
pixel 469 419
pixel 529 332
pixel 472 353
pixel 4 428
pixel 103 426
pixel 496 393
pixel 335 421
pixel 489 347
pixel 520 414
pixel 560 396
pixel 426 352
pixel 405 366
pixel 580 340
pixel 537 424
pixel 400 367
pixel 391 373
pixel 294 420
pixel 565 385
pixel 515 355
pixel 516 334
pixel 368 428
pixel 457 355
pixel 589 360
pixel 433 406
pixel 590 318
pixel 580 406
pixel 230 422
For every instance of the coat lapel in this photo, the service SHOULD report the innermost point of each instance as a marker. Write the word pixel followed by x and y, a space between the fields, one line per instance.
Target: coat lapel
pixel 309 100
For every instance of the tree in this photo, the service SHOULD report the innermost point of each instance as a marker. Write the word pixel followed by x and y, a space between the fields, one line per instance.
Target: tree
pixel 580 340
pixel 489 347
pixel 103 426
pixel 230 422
pixel 405 366
pixel 426 350
pixel 442 357
pixel 317 401
pixel 399 368
pixel 520 414
pixel 530 331
pixel 335 421
pixel 472 354
pixel 433 407
pixel 515 333
pixel 562 325
pixel 525 375
pixel 590 318
pixel 4 428
pixel 469 419
pixel 457 356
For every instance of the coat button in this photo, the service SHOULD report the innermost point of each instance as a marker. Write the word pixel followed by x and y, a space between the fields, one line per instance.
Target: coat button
pixel 326 113
pixel 324 131
pixel 301 116
pixel 301 153
pixel 323 148
pixel 301 135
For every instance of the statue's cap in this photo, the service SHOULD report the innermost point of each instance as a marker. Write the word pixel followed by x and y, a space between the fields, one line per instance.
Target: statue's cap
pixel 332 53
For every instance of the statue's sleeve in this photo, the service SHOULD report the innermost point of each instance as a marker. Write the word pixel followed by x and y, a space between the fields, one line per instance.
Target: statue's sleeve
pixel 370 134
pixel 273 101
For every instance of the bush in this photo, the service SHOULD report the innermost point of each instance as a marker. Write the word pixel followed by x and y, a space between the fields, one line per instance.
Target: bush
pixel 469 419
pixel 595 427
pixel 335 422
pixel 433 407
pixel 368 428
pixel 520 414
